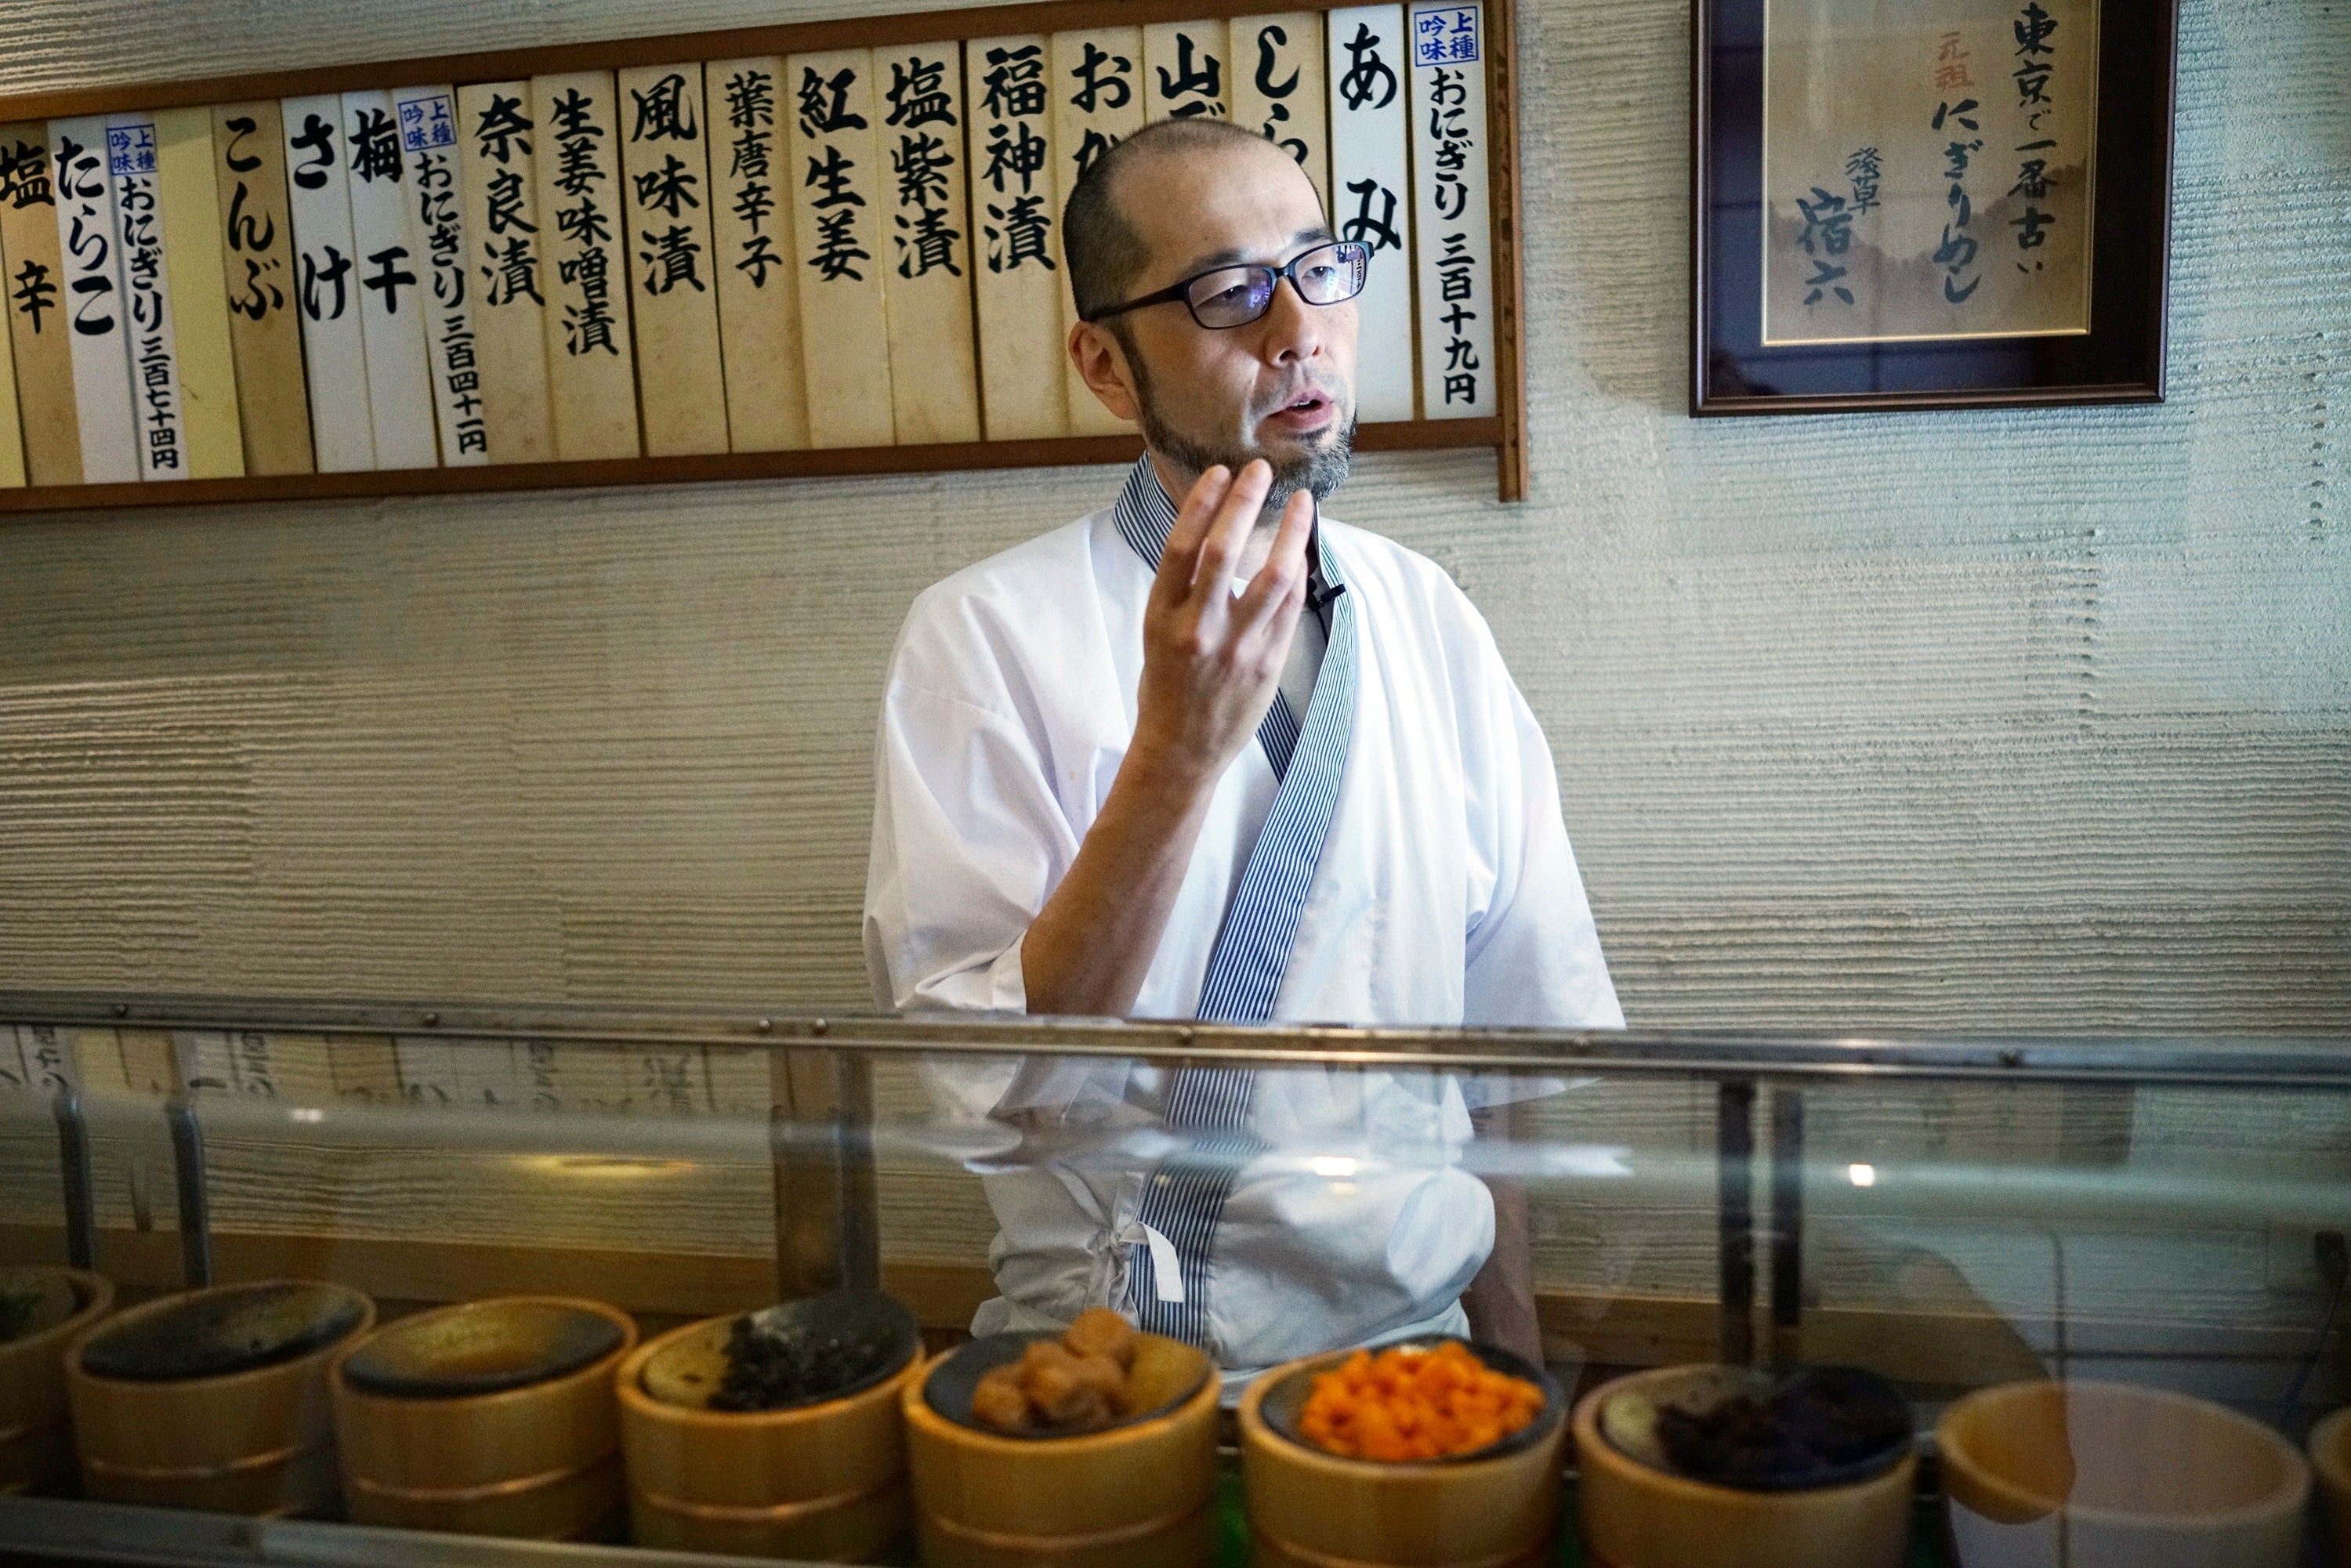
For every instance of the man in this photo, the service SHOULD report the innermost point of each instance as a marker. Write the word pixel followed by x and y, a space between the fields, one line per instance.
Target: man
pixel 1236 761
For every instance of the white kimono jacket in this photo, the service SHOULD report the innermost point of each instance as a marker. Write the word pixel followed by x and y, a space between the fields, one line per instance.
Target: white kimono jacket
pixel 1445 894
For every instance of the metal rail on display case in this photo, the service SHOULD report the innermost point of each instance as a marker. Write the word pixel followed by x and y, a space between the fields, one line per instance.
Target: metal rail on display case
pixel 2257 1062
pixel 57 1530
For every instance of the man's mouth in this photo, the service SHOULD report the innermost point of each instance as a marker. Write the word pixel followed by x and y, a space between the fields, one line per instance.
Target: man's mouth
pixel 1308 411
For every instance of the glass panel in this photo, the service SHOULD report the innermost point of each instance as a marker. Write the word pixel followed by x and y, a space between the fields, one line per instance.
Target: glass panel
pixel 1953 1233
pixel 1961 1234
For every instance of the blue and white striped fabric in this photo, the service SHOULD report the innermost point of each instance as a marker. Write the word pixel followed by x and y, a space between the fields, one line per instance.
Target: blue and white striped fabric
pixel 1185 1196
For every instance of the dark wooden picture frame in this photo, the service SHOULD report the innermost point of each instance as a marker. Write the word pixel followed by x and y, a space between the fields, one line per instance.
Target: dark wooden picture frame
pixel 2119 360
pixel 1504 432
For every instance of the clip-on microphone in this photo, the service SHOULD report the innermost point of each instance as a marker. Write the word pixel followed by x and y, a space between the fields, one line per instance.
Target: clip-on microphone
pixel 1320 596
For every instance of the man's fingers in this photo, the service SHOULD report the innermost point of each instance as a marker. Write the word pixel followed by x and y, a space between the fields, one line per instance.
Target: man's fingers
pixel 1272 626
pixel 1285 565
pixel 1199 507
pixel 1182 550
pixel 1234 518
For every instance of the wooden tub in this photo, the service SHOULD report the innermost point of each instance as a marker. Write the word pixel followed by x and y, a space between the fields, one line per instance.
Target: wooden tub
pixel 1636 1516
pixel 823 1482
pixel 37 1449
pixel 2056 1475
pixel 1139 1495
pixel 540 1461
pixel 1309 1509
pixel 259 1441
pixel 2330 1458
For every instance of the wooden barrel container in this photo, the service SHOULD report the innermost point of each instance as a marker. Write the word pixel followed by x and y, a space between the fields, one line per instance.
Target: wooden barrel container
pixel 1139 1495
pixel 2330 1457
pixel 257 1441
pixel 2049 1474
pixel 1637 1516
pixel 1308 1509
pixel 532 1455
pixel 35 1442
pixel 823 1482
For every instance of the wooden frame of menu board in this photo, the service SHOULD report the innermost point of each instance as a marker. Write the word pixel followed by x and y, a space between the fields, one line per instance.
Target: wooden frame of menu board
pixel 1504 432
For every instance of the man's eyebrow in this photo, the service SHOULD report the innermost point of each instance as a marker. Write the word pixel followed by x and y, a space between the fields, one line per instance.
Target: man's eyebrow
pixel 1304 239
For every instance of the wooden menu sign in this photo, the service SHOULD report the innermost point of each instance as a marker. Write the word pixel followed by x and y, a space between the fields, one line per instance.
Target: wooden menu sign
pixel 818 249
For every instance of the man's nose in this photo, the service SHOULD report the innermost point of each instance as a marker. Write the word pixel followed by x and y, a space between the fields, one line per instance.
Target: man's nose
pixel 1290 328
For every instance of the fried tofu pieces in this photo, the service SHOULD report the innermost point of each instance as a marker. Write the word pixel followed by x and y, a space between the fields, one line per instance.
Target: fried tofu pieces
pixel 1076 1386
pixel 1101 1331
pixel 1000 1402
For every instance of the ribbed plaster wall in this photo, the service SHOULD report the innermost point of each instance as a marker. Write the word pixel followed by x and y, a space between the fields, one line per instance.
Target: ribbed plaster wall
pixel 1973 720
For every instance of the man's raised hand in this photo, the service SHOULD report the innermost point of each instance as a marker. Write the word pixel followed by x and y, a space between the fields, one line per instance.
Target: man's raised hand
pixel 1212 659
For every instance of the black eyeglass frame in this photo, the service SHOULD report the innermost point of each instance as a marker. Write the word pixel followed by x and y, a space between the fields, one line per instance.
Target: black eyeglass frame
pixel 1183 290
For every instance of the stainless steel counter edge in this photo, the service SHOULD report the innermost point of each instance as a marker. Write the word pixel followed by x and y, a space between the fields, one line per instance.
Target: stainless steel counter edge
pixel 120 1532
pixel 2268 1061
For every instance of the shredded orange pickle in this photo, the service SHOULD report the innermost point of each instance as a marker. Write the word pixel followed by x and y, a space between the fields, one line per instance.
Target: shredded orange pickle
pixel 1415 1404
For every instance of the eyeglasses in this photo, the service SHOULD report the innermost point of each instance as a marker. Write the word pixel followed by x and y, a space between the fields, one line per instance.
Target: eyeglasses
pixel 1237 296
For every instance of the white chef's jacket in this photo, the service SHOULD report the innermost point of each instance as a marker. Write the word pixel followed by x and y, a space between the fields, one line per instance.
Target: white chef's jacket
pixel 1445 894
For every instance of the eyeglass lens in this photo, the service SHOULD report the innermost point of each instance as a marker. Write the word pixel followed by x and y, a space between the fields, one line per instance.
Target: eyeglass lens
pixel 1240 295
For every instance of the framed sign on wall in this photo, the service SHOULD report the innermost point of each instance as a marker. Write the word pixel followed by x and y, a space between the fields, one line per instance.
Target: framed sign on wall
pixel 1922 204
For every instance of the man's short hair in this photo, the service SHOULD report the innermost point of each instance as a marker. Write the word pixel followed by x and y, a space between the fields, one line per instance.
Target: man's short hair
pixel 1103 250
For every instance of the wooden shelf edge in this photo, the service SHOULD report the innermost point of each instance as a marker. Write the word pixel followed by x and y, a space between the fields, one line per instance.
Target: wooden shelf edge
pixel 663 1283
pixel 1504 192
pixel 1416 436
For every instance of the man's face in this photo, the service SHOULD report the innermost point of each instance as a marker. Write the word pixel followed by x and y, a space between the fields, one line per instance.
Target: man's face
pixel 1282 387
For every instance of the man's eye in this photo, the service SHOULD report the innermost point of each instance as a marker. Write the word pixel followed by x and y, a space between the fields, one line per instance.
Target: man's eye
pixel 1231 294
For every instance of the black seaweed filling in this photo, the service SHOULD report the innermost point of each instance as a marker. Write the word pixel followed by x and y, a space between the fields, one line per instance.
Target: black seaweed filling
pixel 1811 1425
pixel 766 1370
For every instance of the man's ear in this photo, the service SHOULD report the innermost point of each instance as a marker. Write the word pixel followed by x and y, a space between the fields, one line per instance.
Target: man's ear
pixel 1102 361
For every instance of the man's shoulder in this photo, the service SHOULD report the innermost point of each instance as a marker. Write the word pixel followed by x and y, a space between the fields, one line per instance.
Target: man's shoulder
pixel 1014 576
pixel 991 628
pixel 1399 574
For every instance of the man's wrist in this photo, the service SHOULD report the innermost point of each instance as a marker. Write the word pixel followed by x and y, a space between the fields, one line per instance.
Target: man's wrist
pixel 1164 784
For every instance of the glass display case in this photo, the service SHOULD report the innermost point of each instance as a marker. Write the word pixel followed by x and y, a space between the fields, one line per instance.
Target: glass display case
pixel 2102 1280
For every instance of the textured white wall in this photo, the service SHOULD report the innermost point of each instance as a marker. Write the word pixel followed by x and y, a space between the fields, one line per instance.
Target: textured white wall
pixel 1976 720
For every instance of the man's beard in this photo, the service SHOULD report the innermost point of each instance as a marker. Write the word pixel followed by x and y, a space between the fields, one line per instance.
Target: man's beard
pixel 1320 470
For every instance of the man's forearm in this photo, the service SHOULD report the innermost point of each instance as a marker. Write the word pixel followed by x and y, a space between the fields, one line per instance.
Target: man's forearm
pixel 1500 1301
pixel 1090 948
